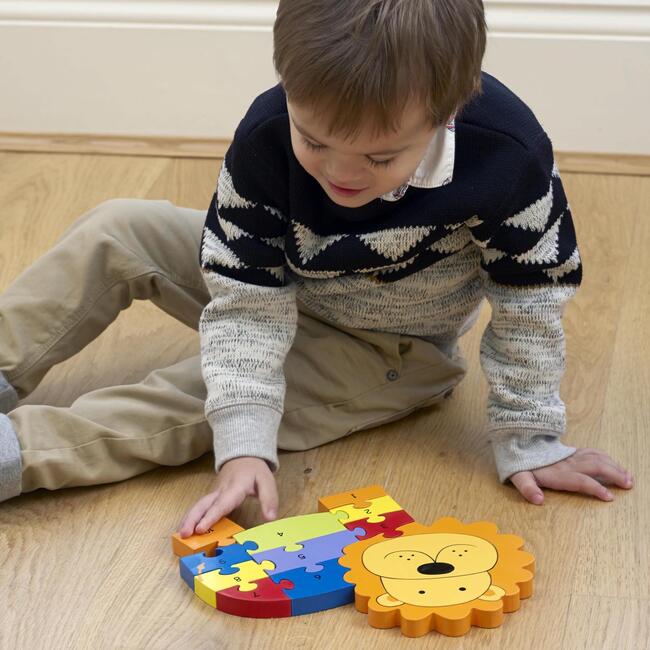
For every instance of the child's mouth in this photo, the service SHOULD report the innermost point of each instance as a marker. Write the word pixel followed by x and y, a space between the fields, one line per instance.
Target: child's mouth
pixel 344 191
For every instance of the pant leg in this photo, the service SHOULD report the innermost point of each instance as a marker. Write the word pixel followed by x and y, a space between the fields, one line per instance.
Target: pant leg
pixel 119 251
pixel 341 380
pixel 117 432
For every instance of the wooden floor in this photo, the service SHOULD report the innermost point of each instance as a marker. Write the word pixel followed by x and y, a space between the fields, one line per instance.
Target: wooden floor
pixel 92 567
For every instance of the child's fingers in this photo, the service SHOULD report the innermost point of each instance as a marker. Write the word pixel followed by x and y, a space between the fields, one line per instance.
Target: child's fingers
pixel 526 484
pixel 267 493
pixel 574 482
pixel 589 461
pixel 228 500
pixel 196 513
pixel 607 470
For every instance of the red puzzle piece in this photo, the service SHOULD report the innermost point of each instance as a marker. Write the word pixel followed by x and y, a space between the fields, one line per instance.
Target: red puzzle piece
pixel 267 600
pixel 387 528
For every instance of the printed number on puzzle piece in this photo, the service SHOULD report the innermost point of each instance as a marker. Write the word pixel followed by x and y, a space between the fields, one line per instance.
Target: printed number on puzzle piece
pixel 287 533
pixel 207 585
pixel 357 498
pixel 313 552
pixel 220 534
pixel 313 592
pixel 222 559
pixel 267 600
pixel 374 513
pixel 388 528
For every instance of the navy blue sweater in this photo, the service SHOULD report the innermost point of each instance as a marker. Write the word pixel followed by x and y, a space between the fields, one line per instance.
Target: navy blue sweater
pixel 503 165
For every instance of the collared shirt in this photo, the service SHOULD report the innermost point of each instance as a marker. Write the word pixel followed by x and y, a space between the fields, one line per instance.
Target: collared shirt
pixel 436 167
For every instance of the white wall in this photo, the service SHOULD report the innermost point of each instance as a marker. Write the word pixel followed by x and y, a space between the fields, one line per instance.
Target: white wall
pixel 190 68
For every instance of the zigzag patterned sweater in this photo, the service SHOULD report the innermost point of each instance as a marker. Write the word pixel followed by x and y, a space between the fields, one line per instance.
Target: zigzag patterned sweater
pixel 418 264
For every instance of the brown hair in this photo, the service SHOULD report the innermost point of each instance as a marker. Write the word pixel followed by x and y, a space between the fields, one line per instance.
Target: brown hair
pixel 355 62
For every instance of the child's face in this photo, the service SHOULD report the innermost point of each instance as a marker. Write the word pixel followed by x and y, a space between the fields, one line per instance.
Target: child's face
pixel 350 164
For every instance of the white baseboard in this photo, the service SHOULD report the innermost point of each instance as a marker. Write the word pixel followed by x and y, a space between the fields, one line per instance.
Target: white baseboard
pixel 191 68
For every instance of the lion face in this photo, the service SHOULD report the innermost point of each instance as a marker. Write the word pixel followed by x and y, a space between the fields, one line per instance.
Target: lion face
pixel 432 569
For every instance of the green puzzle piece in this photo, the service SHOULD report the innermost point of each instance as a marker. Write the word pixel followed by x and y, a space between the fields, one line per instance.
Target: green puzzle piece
pixel 287 532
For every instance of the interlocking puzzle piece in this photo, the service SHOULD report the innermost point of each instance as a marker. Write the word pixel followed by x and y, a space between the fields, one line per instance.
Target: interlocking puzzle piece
pixel 224 559
pixel 313 592
pixel 313 552
pixel 359 498
pixel 388 528
pixel 221 534
pixel 288 532
pixel 248 573
pixel 267 600
pixel 374 513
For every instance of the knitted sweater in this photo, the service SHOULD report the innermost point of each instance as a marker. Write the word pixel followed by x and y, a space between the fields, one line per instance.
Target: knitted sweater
pixel 483 216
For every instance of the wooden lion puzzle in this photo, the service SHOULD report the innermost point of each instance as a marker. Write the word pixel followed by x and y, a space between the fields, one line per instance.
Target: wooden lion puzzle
pixel 362 547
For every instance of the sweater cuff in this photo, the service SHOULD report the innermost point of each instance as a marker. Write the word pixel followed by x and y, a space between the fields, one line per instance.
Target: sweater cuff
pixel 245 430
pixel 8 396
pixel 10 461
pixel 518 450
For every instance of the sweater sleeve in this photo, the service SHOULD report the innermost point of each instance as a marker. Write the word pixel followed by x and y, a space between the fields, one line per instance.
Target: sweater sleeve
pixel 249 324
pixel 530 269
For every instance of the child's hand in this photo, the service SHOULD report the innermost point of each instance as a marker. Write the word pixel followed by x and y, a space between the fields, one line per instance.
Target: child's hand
pixel 238 478
pixel 580 472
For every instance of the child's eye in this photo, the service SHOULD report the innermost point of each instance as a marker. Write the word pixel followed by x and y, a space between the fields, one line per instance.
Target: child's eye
pixel 313 147
pixel 373 163
pixel 380 163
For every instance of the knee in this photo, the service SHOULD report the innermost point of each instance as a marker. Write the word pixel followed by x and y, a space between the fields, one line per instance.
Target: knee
pixel 118 234
pixel 124 217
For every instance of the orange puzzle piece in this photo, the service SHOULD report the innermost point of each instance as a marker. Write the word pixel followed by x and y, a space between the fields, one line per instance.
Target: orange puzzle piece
pixel 221 534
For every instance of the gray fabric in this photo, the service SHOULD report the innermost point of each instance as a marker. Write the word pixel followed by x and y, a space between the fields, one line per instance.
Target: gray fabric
pixel 8 397
pixel 245 430
pixel 10 462
pixel 526 449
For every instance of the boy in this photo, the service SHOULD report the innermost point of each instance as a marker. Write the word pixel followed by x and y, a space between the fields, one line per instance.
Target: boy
pixel 365 208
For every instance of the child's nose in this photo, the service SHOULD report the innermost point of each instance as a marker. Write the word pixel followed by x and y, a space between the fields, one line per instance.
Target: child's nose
pixel 347 172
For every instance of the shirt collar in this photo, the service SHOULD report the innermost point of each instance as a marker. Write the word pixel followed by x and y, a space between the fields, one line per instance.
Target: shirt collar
pixel 436 167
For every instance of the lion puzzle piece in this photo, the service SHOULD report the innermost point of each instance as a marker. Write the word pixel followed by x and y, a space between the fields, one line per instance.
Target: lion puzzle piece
pixel 362 547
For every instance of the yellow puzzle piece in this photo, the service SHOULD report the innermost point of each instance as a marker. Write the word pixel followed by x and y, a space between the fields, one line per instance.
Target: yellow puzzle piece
pixel 206 585
pixel 373 513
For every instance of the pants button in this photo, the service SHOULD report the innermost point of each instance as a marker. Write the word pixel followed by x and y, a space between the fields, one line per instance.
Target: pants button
pixel 392 375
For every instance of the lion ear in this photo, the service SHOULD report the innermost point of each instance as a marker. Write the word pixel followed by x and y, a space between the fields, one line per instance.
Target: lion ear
pixel 388 601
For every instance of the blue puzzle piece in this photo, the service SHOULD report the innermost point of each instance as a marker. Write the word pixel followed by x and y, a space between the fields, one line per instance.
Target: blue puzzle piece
pixel 223 560
pixel 313 592
pixel 313 552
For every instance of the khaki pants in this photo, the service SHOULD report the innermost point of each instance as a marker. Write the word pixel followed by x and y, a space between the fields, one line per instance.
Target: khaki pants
pixel 339 380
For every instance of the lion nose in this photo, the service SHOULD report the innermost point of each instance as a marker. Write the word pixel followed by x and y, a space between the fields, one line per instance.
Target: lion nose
pixel 435 568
